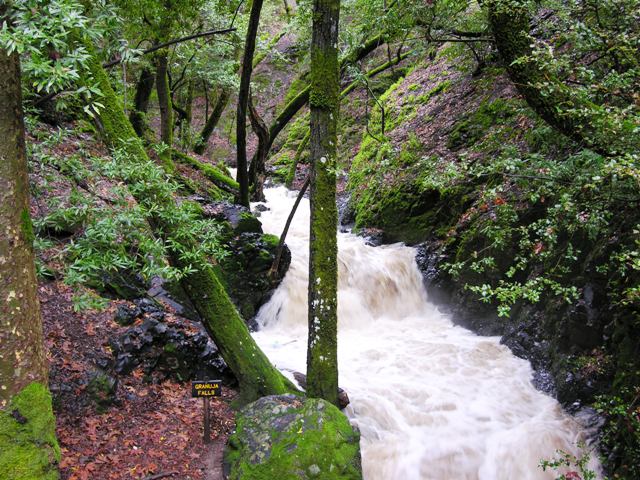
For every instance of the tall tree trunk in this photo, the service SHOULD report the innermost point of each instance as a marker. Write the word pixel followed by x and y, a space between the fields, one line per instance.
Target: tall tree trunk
pixel 257 169
pixel 166 111
pixel 243 100
pixel 203 138
pixel 26 419
pixel 22 358
pixel 255 374
pixel 324 100
pixel 138 115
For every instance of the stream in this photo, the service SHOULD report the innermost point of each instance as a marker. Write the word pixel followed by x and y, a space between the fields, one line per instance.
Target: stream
pixel 431 399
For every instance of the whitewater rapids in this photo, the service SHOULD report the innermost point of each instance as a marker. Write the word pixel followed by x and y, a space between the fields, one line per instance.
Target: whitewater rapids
pixel 432 400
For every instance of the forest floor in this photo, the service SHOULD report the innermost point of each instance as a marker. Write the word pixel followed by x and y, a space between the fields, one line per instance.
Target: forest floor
pixel 150 429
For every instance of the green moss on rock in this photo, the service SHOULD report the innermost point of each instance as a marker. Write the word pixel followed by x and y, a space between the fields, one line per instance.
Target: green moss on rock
pixel 473 127
pixel 287 437
pixel 28 446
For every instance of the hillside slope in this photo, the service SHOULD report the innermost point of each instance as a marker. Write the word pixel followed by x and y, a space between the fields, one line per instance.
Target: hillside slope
pixel 512 218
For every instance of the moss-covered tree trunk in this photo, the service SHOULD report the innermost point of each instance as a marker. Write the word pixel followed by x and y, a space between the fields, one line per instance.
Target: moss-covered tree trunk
pixel 257 169
pixel 510 22
pixel 166 110
pixel 28 447
pixel 203 138
pixel 255 374
pixel 138 115
pixel 243 101
pixel 324 100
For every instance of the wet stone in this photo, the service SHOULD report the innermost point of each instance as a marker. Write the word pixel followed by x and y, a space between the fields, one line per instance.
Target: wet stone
pixel 125 314
pixel 181 351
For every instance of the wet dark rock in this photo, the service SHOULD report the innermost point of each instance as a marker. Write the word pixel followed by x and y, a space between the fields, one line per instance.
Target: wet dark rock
pixel 259 208
pixel 374 237
pixel 245 271
pixel 146 305
pixel 238 217
pixel 102 388
pixel 543 380
pixel 171 295
pixel 126 314
pixel 122 284
pixel 346 213
pixel 181 351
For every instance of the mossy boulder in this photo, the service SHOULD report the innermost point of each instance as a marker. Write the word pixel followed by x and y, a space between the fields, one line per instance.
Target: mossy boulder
pixel 239 218
pixel 289 437
pixel 28 446
pixel 245 270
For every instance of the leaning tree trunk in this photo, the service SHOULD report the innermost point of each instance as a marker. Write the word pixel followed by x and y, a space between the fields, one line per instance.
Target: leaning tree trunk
pixel 324 100
pixel 203 138
pixel 256 376
pixel 243 101
pixel 138 115
pixel 166 110
pixel 28 447
pixel 510 21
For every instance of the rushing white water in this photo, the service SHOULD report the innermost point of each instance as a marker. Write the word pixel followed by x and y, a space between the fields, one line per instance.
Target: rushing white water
pixel 432 400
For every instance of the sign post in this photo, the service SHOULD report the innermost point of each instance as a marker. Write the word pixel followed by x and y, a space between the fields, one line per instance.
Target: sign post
pixel 206 389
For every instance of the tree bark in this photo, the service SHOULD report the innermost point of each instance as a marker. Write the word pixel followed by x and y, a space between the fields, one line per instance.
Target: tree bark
pixel 213 174
pixel 291 175
pixel 166 111
pixel 22 356
pixel 257 168
pixel 138 115
pixel 27 423
pixel 255 374
pixel 324 100
pixel 212 121
pixel 243 100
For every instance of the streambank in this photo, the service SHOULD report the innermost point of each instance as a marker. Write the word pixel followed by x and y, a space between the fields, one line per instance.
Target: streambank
pixel 505 217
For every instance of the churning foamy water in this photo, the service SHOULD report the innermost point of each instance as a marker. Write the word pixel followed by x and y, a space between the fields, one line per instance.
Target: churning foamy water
pixel 432 400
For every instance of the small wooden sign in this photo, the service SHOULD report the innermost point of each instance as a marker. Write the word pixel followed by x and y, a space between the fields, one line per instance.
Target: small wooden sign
pixel 206 388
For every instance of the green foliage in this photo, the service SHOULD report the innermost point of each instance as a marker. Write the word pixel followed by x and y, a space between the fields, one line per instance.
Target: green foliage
pixel 581 71
pixel 575 468
pixel 622 431
pixel 113 238
pixel 573 215
pixel 45 34
pixel 148 180
pixel 474 126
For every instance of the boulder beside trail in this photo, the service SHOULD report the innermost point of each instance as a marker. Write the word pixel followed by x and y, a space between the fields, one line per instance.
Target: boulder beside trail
pixel 287 437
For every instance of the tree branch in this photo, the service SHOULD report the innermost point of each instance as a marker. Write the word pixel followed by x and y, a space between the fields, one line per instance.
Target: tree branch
pixel 173 42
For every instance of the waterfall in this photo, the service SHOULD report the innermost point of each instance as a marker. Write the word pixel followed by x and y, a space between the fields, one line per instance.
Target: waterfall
pixel 432 400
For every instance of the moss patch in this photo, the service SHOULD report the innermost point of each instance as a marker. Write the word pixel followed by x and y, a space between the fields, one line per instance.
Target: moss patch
pixel 292 438
pixel 28 446
pixel 473 127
